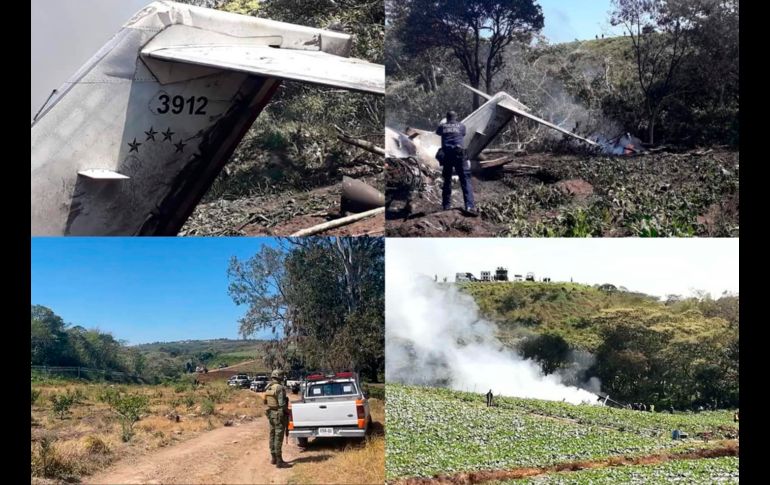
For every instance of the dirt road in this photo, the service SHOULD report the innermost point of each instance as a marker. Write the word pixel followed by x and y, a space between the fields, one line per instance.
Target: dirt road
pixel 236 454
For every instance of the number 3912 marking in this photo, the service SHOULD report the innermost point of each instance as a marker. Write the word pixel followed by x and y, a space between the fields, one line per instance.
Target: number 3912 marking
pixel 178 104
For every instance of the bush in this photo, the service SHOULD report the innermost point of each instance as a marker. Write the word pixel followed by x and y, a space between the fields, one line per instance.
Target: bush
pixel 219 393
pixel 62 404
pixel 129 408
pixel 108 394
pixel 95 445
pixel 47 462
pixel 35 395
pixel 376 392
pixel 207 407
pixel 189 401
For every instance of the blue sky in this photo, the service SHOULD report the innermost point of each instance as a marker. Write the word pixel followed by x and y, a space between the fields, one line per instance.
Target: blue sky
pixel 567 20
pixel 141 289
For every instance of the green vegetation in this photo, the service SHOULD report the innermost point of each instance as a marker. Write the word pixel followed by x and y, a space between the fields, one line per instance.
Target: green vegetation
pixel 439 431
pixel 687 92
pixel 56 343
pixel 104 415
pixel 324 295
pixel 705 472
pixel 682 352
pixel 128 407
pixel 683 196
pixel 61 404
pixel 293 144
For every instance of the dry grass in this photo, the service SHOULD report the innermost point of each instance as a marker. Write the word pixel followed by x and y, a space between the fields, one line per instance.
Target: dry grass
pixel 356 464
pixel 89 438
pixel 359 463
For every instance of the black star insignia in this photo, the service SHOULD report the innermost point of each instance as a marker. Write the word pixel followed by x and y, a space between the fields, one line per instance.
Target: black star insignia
pixel 179 146
pixel 134 146
pixel 150 134
pixel 167 135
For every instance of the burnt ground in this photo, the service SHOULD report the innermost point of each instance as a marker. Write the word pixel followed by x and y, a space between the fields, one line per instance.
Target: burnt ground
pixel 692 193
pixel 270 195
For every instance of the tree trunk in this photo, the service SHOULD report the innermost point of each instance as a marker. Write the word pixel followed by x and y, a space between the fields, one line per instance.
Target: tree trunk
pixel 651 129
pixel 476 103
pixel 433 83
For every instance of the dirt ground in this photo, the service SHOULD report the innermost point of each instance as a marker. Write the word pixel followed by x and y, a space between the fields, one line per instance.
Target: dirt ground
pixel 663 194
pixel 234 454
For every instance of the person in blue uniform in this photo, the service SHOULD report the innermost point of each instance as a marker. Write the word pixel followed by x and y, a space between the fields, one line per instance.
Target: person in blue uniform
pixel 452 134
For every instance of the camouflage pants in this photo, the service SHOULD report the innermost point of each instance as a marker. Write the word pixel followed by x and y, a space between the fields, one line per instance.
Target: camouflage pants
pixel 276 418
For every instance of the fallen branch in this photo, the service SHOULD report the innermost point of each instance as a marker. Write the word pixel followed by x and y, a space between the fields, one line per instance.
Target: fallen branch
pixel 343 221
pixel 363 144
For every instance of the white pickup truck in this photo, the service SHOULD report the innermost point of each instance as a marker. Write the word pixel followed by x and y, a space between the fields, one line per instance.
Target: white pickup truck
pixel 332 406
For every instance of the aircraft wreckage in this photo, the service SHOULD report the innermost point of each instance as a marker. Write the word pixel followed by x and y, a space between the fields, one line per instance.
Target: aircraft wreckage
pixel 411 155
pixel 482 127
pixel 131 143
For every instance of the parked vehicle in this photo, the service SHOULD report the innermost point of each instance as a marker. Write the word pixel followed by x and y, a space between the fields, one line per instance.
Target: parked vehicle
pixel 332 406
pixel 239 380
pixel 260 382
pixel 293 385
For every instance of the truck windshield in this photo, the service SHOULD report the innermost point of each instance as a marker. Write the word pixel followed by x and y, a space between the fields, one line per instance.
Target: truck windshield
pixel 331 389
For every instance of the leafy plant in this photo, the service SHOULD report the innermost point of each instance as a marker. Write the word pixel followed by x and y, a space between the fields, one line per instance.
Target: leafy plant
pixel 207 407
pixel 61 404
pixel 47 462
pixel 129 408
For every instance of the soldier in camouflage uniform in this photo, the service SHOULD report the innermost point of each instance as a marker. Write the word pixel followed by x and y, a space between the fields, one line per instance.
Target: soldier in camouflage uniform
pixel 277 414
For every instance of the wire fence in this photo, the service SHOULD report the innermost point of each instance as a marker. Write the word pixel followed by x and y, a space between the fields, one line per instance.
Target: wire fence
pixel 85 373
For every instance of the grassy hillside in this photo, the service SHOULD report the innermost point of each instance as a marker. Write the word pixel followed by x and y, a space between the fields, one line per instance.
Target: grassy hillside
pixel 458 433
pixel 579 313
pixel 169 358
pixel 682 352
pixel 222 346
pixel 566 309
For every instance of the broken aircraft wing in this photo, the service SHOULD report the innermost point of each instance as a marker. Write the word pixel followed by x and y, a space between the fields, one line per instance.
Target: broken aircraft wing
pixel 131 143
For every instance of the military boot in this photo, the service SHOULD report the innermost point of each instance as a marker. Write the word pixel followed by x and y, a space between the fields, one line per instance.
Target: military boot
pixel 280 463
pixel 272 459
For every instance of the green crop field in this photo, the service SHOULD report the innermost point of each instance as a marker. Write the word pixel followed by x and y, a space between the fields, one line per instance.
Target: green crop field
pixel 440 432
pixel 708 471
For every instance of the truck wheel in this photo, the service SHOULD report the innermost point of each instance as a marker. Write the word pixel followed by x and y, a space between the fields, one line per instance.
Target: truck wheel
pixel 302 442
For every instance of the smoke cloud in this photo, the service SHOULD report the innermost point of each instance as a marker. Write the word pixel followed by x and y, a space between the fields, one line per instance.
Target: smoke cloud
pixel 435 336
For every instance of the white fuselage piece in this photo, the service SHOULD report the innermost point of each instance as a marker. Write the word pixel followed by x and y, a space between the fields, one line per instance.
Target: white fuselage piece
pixel 133 140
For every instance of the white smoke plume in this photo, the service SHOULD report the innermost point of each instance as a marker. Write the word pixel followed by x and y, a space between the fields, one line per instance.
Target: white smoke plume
pixel 435 336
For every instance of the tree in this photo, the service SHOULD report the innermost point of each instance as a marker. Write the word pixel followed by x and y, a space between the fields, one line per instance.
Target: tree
pixel 323 296
pixel 551 351
pixel 48 337
pixel 129 408
pixel 61 403
pixel 660 33
pixel 476 31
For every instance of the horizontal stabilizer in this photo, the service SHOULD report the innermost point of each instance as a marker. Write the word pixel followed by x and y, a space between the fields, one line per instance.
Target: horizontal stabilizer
pixel 506 104
pixel 102 174
pixel 299 65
